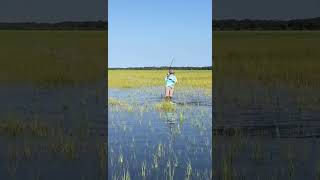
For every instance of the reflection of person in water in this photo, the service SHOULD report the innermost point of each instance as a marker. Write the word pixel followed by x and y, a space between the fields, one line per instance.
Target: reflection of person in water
pixel 174 129
pixel 171 119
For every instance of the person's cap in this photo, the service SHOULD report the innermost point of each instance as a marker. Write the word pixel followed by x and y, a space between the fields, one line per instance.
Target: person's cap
pixel 171 71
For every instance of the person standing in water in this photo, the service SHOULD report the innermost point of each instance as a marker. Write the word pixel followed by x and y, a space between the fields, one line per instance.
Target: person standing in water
pixel 170 80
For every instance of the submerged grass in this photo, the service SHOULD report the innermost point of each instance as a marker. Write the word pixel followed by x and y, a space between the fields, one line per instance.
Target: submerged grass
pixel 116 102
pixel 120 105
pixel 140 159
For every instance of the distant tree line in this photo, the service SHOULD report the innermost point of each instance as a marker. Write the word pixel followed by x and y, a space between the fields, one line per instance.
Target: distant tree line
pixel 68 25
pixel 247 24
pixel 223 25
pixel 164 68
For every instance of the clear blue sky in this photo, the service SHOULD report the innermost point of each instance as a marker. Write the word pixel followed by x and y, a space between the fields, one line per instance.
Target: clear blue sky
pixel 149 32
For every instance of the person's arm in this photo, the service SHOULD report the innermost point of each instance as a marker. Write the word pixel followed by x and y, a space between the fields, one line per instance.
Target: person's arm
pixel 175 79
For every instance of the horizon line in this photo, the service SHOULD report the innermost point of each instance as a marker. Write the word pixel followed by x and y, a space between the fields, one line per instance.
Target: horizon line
pixel 265 19
pixel 164 67
pixel 106 21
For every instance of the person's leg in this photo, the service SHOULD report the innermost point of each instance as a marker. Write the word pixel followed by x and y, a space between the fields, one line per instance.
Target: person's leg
pixel 171 92
pixel 167 93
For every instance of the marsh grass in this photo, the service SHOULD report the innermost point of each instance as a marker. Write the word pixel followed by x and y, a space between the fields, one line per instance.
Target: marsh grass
pixel 254 156
pixel 20 127
pixel 146 160
pixel 280 63
pixel 52 58
pixel 150 78
pixel 60 149
pixel 165 106
pixel 149 157
pixel 273 58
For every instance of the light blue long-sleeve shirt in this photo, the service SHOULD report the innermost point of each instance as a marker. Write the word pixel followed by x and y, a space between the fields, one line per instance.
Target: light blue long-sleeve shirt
pixel 170 80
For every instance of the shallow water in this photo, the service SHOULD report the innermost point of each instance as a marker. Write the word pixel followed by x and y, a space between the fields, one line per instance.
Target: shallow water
pixel 68 103
pixel 264 132
pixel 26 155
pixel 266 158
pixel 147 143
pixel 283 111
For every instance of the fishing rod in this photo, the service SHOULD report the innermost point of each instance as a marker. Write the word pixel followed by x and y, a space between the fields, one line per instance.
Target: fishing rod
pixel 171 62
pixel 172 58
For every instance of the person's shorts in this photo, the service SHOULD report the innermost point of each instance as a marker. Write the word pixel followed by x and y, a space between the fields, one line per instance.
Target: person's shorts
pixel 171 87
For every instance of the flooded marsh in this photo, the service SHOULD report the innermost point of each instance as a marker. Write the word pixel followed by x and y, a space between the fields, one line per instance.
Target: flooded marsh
pixel 266 105
pixel 52 110
pixel 152 139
